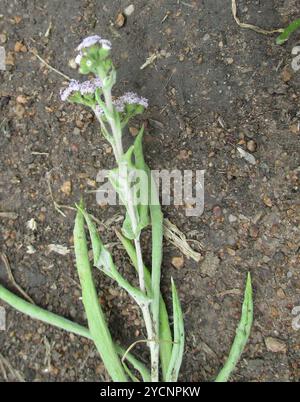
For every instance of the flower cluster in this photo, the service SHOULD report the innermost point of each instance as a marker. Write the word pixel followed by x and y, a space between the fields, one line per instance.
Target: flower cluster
pixel 97 50
pixel 91 41
pixel 129 98
pixel 84 88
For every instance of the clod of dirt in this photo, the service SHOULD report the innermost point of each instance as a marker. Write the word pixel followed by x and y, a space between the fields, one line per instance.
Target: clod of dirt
pixel 275 345
pixel 19 111
pixel 22 99
pixel 120 20
pixel 17 19
pixel 178 262
pixel 133 131
pixel 183 154
pixel 10 59
pixel 66 188
pixel 210 265
pixel 267 201
pixel 286 74
pixel 20 47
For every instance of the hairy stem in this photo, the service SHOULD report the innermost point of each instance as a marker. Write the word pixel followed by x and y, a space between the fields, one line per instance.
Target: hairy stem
pixel 116 131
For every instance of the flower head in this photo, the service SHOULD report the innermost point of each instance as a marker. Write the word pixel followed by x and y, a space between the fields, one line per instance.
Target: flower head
pixel 98 111
pixel 84 88
pixel 89 87
pixel 130 98
pixel 92 40
pixel 74 86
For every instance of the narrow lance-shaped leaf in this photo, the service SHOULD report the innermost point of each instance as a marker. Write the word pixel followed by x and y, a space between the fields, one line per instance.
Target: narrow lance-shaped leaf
pixel 242 334
pixel 178 346
pixel 96 320
pixel 103 259
pixel 38 313
pixel 165 335
pixel 157 252
pixel 143 207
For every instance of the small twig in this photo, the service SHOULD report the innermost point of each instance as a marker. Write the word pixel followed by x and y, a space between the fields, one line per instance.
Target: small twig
pixel 250 26
pixel 12 371
pixel 149 61
pixel 47 359
pixel 56 205
pixel 179 240
pixel 9 215
pixel 40 153
pixel 132 346
pixel 12 279
pixel 2 368
pixel 49 66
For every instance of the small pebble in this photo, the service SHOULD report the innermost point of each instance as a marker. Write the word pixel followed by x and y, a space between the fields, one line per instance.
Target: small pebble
pixel 20 47
pixel 3 38
pixel 275 345
pixel 178 262
pixel 251 146
pixel 72 64
pixel 267 201
pixel 76 131
pixel 120 20
pixel 129 10
pixel 217 211
pixel 232 218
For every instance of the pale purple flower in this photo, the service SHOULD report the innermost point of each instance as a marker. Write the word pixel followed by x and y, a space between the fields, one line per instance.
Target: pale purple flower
pixel 74 86
pixel 86 87
pixel 130 98
pixel 92 40
pixel 98 111
pixel 89 87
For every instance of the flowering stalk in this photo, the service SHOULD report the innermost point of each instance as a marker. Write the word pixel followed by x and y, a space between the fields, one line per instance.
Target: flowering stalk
pixel 113 114
pixel 166 352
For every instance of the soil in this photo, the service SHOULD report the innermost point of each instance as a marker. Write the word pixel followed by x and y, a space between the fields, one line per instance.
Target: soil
pixel 214 87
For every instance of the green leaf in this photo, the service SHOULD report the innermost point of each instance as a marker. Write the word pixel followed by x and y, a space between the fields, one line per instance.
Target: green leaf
pixel 178 347
pixel 165 335
pixel 127 228
pixel 57 321
pixel 96 319
pixel 157 251
pixel 282 38
pixel 104 261
pixel 242 334
pixel 143 208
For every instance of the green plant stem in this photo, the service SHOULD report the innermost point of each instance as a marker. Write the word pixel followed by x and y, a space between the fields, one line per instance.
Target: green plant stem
pixel 118 151
pixel 96 320
pixel 38 313
pixel 165 336
pixel 157 245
